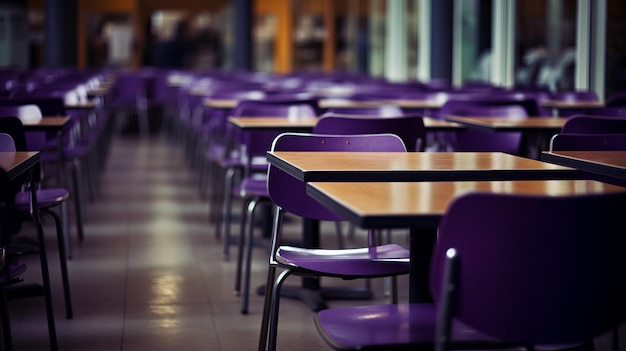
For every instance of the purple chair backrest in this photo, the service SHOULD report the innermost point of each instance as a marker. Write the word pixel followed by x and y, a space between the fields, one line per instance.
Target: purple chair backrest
pixel 290 193
pixel 26 113
pixel 31 113
pixel 386 110
pixel 588 124
pixel 277 108
pixel 474 139
pixel 13 127
pixel 455 106
pixel 410 128
pixel 617 111
pixel 6 143
pixel 588 142
pixel 538 269
pixel 616 100
pixel 575 96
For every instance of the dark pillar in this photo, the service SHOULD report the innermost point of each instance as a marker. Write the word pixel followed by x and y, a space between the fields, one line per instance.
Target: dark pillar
pixel 60 33
pixel 243 19
pixel 441 42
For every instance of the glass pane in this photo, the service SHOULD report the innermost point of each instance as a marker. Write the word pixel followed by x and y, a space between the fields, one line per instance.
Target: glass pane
pixel 308 35
pixel 109 40
pixel 475 41
pixel 377 15
pixel 264 42
pixel 186 41
pixel 616 47
pixel 547 44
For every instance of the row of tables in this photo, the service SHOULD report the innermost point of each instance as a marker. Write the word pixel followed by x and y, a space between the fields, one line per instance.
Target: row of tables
pixel 413 190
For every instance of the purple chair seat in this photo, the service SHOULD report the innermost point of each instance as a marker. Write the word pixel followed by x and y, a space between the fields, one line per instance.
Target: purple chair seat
pixel 45 198
pixel 378 261
pixel 393 325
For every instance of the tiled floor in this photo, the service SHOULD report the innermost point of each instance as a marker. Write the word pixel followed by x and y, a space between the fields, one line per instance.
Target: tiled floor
pixel 150 275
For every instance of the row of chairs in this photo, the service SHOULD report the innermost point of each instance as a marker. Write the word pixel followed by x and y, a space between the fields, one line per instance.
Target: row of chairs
pixel 81 148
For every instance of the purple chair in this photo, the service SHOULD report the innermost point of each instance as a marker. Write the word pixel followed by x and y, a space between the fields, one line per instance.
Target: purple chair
pixel 247 156
pixel 552 277
pixel 47 199
pixel 474 139
pixel 410 128
pixel 591 124
pixel 129 94
pixel 289 195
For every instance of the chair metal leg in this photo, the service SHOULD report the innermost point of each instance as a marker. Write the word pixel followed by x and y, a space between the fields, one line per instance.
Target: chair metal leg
pixel 69 313
pixel 249 238
pixel 227 210
pixel 275 307
pixel 65 220
pixel 240 249
pixel 7 339
pixel 78 202
pixel 271 276
pixel 45 277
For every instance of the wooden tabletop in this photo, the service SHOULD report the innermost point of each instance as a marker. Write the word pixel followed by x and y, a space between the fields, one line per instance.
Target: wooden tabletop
pixel 609 163
pixel 16 163
pixel 408 204
pixel 307 124
pixel 342 103
pixel 88 105
pixel 511 124
pixel 48 123
pixel 414 166
pixel 304 124
pixel 571 104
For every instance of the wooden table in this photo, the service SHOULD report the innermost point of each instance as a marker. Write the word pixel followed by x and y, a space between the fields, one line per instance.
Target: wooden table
pixel 343 103
pixel 411 166
pixel 18 164
pixel 420 205
pixel 536 131
pixel 87 105
pixel 558 105
pixel 55 123
pixel 414 166
pixel 611 164
pixel 307 124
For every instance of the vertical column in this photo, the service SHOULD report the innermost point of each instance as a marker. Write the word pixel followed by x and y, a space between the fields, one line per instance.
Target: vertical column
pixel 60 33
pixel 243 20
pixel 441 39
